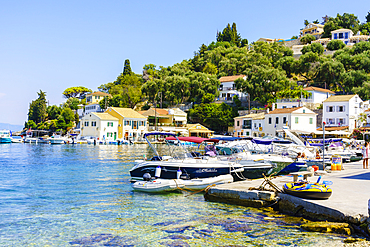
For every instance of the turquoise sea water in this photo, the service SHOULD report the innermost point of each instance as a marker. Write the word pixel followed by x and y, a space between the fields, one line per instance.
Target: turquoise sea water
pixel 80 195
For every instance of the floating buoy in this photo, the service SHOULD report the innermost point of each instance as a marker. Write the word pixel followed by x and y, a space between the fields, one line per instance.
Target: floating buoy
pixel 158 172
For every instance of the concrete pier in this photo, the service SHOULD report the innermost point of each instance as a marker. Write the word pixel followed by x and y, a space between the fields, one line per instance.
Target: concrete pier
pixel 348 202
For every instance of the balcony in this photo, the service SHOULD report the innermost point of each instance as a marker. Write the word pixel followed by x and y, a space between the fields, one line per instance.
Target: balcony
pixel 246 127
pixel 309 100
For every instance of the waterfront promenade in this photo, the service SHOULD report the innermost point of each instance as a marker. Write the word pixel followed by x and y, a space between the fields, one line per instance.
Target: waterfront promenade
pixel 348 202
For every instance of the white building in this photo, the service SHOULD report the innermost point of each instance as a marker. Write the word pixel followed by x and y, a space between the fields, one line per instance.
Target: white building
pixel 227 88
pixel 318 95
pixel 101 126
pixel 343 110
pixel 296 119
pixel 251 125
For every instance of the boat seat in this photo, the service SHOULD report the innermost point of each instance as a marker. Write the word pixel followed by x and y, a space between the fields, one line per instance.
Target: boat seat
pixel 156 158
pixel 305 175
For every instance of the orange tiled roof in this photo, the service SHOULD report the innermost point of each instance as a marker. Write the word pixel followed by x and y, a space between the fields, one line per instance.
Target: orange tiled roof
pixel 98 93
pixel 230 78
pixel 318 89
pixel 334 128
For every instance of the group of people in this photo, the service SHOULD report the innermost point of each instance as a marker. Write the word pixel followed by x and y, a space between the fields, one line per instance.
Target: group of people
pixel 365 155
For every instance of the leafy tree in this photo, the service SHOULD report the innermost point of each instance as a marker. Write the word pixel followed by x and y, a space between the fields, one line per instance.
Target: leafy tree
pixel 127 68
pixel 208 98
pixel 263 83
pixel 353 79
pixel 307 39
pixel 288 64
pixel 348 21
pixel 306 22
pixel 76 92
pixel 214 116
pixel 210 68
pixel 294 37
pixel 325 18
pixel 294 92
pixel 365 28
pixel 37 110
pixel 330 72
pixel 307 65
pixel 30 124
pixel 335 44
pixel 68 117
pixel 363 91
pixel 72 103
pixel 314 47
pixel 230 35
pixel 316 21
pixel 360 47
pixel 329 27
pixel 53 112
pixel 367 17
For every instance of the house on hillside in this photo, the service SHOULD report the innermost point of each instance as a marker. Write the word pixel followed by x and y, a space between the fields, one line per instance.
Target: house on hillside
pixel 101 126
pixel 228 91
pixel 131 124
pixel 296 119
pixel 173 117
pixel 343 110
pixel 313 29
pixel 199 130
pixel 92 103
pixel 318 95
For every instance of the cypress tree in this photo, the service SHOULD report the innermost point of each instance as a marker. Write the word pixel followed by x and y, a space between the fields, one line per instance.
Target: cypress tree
pixel 127 68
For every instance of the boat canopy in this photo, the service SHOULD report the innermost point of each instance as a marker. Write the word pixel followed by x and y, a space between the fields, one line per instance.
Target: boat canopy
pixel 226 138
pixel 192 139
pixel 269 141
pixel 159 134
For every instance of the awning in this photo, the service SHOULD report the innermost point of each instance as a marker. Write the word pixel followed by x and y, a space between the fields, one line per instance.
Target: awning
pixel 180 119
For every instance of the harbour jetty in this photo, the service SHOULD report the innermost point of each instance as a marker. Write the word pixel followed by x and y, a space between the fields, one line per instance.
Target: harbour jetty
pixel 347 204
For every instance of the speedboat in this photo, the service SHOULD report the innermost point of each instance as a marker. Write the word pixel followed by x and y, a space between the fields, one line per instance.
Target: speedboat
pixel 57 139
pixel 179 159
pixel 168 185
pixel 5 136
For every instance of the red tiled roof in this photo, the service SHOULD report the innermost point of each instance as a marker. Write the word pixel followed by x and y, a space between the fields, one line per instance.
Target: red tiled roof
pixel 230 78
pixel 318 89
pixel 99 94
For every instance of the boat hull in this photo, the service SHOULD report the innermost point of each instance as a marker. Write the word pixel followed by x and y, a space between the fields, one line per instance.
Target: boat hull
pixel 168 185
pixel 191 170
pixel 5 140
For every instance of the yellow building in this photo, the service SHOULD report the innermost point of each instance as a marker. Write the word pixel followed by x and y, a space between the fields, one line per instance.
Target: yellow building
pixel 312 28
pixel 199 130
pixel 96 97
pixel 131 124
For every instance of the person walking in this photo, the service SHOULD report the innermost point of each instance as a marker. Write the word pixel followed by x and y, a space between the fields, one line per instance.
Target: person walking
pixel 365 156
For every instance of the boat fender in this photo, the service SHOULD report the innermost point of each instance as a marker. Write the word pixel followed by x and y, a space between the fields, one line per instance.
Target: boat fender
pixel 147 177
pixel 179 172
pixel 158 172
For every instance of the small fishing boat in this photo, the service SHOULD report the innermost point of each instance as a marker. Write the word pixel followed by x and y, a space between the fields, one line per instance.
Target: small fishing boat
pixel 5 136
pixel 166 185
pixel 308 190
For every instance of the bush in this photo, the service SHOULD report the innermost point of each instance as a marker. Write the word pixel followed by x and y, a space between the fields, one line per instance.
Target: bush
pixel 307 38
pixel 335 44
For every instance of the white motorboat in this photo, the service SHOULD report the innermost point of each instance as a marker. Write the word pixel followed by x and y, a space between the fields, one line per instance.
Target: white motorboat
pixel 17 139
pixel 179 160
pixel 5 136
pixel 167 185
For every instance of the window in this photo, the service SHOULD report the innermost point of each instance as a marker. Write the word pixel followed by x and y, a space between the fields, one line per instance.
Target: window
pixel 304 110
pixel 284 120
pixel 110 124
pixel 330 109
pixel 237 123
pixel 270 120
pixel 93 123
pixel 346 42
pixel 86 124
pixel 331 121
pixel 296 120
pixel 311 120
pixel 284 106
pixel 260 125
pixel 277 120
pixel 341 108
pixel 255 125
pixel 340 35
pixel 247 124
pixel 346 35
pixel 340 121
pixel 335 36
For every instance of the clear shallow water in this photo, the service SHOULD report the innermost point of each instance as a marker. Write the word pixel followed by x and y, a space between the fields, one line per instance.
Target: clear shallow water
pixel 80 195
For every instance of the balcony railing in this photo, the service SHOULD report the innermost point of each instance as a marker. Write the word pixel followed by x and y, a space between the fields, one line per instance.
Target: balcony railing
pixel 309 100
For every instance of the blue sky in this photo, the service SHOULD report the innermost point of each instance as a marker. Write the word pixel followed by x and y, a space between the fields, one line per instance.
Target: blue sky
pixel 53 45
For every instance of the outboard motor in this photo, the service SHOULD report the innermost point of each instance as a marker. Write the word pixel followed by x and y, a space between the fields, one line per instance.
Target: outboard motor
pixel 147 177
